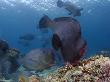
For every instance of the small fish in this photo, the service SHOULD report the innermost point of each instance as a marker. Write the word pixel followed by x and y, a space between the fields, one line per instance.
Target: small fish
pixel 24 43
pixel 72 8
pixel 28 37
pixel 105 53
pixel 66 37
pixel 3 46
pixel 9 63
pixel 8 67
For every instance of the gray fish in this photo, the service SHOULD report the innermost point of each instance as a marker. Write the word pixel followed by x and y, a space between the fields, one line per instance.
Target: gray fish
pixel 66 37
pixel 72 8
pixel 38 59
pixel 3 45
pixel 105 53
pixel 9 62
pixel 8 66
pixel 28 37
pixel 24 43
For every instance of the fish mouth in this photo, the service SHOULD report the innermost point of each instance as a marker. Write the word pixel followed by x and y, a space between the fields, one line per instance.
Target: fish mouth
pixel 56 42
pixel 83 49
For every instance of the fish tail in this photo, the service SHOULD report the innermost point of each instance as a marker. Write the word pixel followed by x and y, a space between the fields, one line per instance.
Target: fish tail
pixel 45 22
pixel 60 3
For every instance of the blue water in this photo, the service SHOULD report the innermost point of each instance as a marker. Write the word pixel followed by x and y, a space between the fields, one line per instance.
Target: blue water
pixel 18 17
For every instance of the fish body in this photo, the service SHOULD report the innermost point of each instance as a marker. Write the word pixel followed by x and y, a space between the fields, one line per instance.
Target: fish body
pixel 9 63
pixel 28 37
pixel 8 67
pixel 72 8
pixel 38 59
pixel 67 37
pixel 3 47
pixel 24 43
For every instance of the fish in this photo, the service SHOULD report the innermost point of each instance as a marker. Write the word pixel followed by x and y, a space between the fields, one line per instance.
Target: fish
pixel 3 57
pixel 9 63
pixel 28 37
pixel 72 8
pixel 3 46
pixel 104 52
pixel 67 37
pixel 24 43
pixel 8 67
pixel 38 59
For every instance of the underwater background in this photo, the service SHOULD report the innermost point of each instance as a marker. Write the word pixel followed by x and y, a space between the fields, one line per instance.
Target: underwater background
pixel 19 17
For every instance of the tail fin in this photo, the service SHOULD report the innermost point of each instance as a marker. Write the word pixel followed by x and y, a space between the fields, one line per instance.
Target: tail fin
pixel 60 3
pixel 44 22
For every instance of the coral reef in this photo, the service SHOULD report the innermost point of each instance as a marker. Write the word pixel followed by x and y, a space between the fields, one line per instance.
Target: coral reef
pixel 94 69
pixel 9 63
pixel 32 78
pixel 13 52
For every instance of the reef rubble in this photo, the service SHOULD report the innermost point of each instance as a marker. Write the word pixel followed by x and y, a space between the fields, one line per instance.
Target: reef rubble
pixel 93 69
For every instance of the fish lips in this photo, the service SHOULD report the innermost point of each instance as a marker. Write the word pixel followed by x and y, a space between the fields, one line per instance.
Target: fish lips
pixel 83 47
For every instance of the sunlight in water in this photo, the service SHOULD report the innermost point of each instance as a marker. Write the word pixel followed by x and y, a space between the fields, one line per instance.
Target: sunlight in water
pixel 49 5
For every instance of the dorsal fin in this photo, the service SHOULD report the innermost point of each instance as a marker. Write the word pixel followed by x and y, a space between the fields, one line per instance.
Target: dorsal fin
pixel 68 19
pixel 44 21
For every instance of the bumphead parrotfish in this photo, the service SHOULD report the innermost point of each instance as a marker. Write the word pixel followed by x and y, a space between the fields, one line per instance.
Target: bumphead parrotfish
pixel 38 59
pixel 66 37
pixel 8 60
pixel 3 46
pixel 72 8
